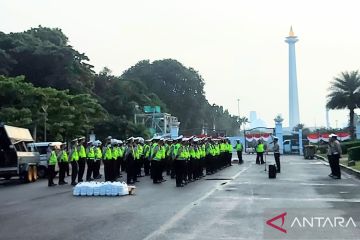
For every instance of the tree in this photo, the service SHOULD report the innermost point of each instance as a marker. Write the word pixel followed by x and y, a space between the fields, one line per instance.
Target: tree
pixel 344 93
pixel 67 115
pixel 182 89
pixel 45 58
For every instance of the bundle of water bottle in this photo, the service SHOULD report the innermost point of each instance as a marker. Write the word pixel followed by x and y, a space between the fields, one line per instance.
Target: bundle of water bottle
pixel 101 189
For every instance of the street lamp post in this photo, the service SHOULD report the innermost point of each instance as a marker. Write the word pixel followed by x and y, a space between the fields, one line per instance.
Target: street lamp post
pixel 44 108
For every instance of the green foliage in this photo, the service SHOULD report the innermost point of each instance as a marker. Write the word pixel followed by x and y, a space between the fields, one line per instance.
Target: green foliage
pixel 182 89
pixel 322 149
pixel 45 58
pixel 354 153
pixel 68 116
pixel 346 145
pixel 344 93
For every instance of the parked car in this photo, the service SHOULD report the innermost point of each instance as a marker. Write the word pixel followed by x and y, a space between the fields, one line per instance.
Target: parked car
pixel 43 148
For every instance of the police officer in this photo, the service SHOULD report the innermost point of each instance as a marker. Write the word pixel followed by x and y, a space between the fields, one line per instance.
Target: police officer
pixel 156 156
pixel 52 160
pixel 130 158
pixel 63 161
pixel 334 154
pixel 260 152
pixel 179 163
pixel 107 158
pixel 276 149
pixel 239 150
pixel 90 154
pixel 74 158
pixel 97 160
pixel 146 152
pixel 82 158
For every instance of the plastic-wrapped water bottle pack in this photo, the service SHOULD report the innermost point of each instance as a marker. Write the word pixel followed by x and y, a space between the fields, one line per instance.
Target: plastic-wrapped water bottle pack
pixel 101 189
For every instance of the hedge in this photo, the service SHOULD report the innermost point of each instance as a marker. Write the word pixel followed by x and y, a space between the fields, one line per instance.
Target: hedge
pixel 354 153
pixel 346 145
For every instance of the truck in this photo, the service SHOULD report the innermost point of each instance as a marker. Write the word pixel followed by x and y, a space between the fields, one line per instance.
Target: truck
pixel 15 158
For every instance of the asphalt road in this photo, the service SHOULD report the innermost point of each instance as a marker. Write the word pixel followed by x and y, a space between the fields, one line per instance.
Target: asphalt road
pixel 227 205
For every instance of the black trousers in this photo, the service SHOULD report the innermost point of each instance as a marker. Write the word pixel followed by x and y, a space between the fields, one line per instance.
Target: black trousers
pixel 147 167
pixel 156 170
pixel 96 168
pixel 130 169
pixel 260 157
pixel 90 167
pixel 81 164
pixel 108 170
pixel 51 174
pixel 239 154
pixel 117 167
pixel 179 166
pixel 74 171
pixel 62 170
pixel 277 160
pixel 334 161
pixel 67 169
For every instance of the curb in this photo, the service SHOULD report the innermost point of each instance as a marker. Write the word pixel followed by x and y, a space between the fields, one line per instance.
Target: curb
pixel 345 168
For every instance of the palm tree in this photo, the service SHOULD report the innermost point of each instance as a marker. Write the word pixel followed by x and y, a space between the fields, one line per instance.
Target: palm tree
pixel 344 93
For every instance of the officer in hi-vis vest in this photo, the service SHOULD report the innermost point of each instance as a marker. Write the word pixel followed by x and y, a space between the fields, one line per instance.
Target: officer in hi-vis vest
pixel 52 160
pixel 260 149
pixel 63 161
pixel 82 158
pixel 74 158
pixel 239 150
pixel 90 155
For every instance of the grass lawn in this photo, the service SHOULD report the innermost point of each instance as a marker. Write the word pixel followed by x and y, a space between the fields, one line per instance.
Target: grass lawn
pixel 344 161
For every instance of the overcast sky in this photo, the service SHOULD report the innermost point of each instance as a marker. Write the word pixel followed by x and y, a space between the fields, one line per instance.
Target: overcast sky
pixel 236 45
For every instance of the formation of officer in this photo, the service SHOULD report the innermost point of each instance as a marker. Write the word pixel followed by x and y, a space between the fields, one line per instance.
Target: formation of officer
pixel 185 159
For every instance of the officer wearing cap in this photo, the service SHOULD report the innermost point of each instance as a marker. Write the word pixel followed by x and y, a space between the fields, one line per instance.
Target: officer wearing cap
pixel 74 158
pixel 334 154
pixel 97 161
pixel 179 163
pixel 90 154
pixel 146 153
pixel 260 149
pixel 107 158
pixel 130 156
pixel 239 150
pixel 52 160
pixel 63 161
pixel 82 158
pixel 156 156
pixel 276 149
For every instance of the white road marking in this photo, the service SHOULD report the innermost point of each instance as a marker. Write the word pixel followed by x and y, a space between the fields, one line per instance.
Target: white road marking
pixel 179 215
pixel 252 198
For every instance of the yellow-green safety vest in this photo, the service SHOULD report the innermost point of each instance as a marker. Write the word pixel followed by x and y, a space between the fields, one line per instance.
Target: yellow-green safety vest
pixel 74 155
pixel 108 154
pixel 64 157
pixel 53 158
pixel 82 152
pixel 260 148
pixel 91 153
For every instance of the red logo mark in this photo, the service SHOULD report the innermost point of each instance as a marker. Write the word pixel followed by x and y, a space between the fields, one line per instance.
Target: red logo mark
pixel 270 222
